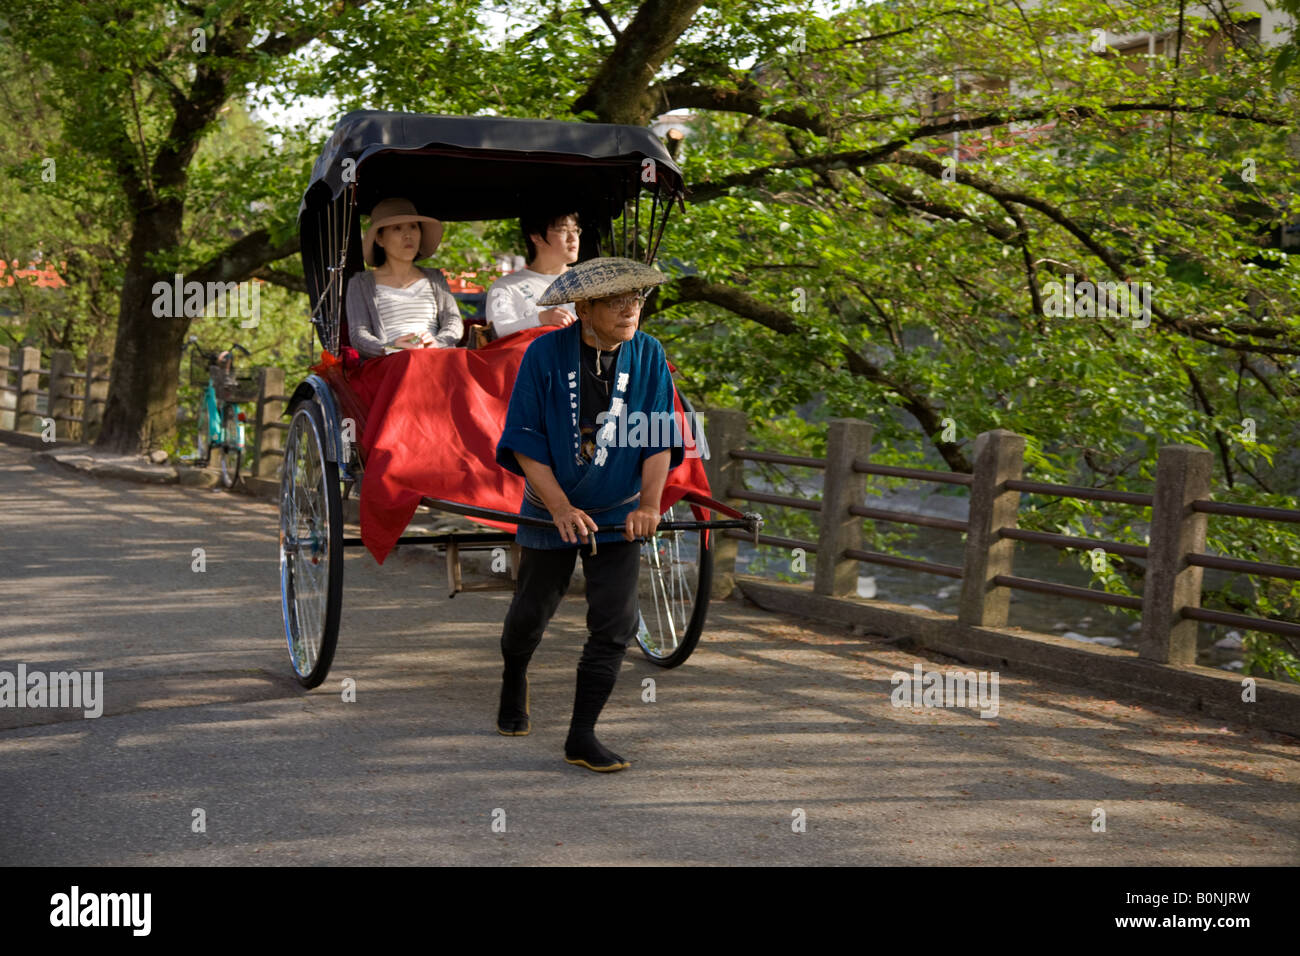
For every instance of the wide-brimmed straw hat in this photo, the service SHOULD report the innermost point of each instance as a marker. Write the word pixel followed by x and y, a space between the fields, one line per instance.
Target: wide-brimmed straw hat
pixel 597 278
pixel 390 212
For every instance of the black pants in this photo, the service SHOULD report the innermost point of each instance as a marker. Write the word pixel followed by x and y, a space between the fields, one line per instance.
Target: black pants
pixel 612 611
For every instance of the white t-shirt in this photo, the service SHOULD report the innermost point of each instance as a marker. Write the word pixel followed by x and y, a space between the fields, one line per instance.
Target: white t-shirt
pixel 512 301
pixel 412 309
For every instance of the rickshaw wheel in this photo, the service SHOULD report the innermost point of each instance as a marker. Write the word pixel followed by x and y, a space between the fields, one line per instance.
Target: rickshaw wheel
pixel 311 547
pixel 231 454
pixel 674 583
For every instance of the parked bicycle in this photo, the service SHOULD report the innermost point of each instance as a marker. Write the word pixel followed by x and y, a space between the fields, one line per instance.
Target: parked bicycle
pixel 221 422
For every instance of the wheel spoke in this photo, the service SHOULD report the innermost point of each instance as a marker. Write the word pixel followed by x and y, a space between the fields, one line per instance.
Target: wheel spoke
pixel 662 613
pixel 669 580
pixel 667 602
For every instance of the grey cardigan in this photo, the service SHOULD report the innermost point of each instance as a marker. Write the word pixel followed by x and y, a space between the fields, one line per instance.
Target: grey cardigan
pixel 363 320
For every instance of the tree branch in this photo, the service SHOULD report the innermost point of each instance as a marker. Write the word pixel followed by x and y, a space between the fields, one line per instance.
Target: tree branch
pixel 1031 268
pixel 286 41
pixel 698 289
pixel 286 280
pixel 620 92
pixel 243 258
pixel 1204 400
pixel 934 168
pixel 599 9
pixel 682 93
pixel 702 192
pixel 878 37
pixel 139 131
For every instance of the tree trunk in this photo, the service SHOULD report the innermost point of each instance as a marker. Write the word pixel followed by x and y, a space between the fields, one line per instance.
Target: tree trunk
pixel 140 412
pixel 620 92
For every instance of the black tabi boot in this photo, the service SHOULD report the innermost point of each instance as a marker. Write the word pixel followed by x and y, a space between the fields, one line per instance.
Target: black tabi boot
pixel 512 716
pixel 582 747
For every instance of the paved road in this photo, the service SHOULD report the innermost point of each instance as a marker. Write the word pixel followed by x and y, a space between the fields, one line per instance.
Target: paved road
pixel 770 716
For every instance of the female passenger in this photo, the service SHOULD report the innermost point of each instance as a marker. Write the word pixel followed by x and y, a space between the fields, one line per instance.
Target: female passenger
pixel 396 304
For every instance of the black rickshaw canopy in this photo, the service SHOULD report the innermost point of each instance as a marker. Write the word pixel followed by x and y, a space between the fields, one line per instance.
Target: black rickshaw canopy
pixel 462 158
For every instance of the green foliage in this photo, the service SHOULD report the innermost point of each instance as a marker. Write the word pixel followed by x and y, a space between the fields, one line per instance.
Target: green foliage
pixel 57 212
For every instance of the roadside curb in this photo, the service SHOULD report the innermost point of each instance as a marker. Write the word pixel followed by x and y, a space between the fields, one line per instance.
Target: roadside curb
pixel 85 459
pixel 26 439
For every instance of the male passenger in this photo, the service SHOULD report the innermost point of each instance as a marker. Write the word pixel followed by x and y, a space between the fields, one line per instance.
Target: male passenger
pixel 552 241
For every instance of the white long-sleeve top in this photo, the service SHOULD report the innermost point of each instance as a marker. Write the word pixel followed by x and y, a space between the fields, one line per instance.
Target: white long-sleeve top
pixel 512 301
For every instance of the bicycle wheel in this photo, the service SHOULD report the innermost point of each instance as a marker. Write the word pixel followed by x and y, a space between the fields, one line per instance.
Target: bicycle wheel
pixel 673 588
pixel 231 454
pixel 311 547
pixel 204 440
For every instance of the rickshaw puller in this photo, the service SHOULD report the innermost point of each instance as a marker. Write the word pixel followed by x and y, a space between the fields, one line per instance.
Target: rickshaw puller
pixel 577 476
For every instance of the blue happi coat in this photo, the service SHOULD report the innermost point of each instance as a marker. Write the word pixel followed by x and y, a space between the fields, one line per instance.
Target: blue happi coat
pixel 542 422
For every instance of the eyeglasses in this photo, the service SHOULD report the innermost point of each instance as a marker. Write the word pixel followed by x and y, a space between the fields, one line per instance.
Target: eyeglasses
pixel 574 231
pixel 621 302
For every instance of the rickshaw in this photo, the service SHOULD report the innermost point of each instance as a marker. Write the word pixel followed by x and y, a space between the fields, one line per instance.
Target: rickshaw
pixel 460 169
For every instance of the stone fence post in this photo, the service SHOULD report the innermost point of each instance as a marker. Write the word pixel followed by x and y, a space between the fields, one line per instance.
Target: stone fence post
pixel 999 457
pixel 1183 474
pixel 96 394
pixel 725 429
pixel 8 399
pixel 268 441
pixel 847 439
pixel 26 418
pixel 61 389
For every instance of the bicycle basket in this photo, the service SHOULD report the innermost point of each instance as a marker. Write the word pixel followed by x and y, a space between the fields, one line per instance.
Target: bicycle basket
pixel 239 386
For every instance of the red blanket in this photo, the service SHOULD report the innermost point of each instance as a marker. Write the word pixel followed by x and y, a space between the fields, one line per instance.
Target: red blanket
pixel 431 422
